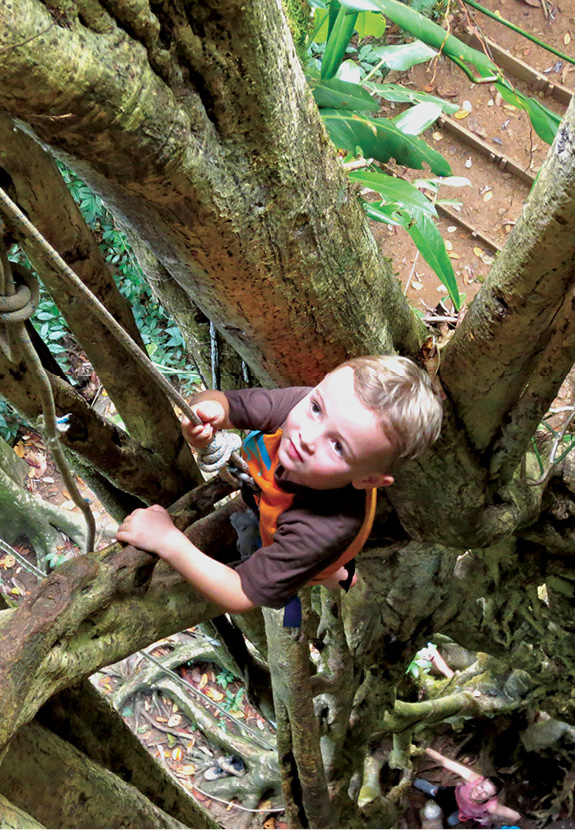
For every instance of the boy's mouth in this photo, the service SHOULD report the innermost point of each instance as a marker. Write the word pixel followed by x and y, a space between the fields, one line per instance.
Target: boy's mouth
pixel 293 452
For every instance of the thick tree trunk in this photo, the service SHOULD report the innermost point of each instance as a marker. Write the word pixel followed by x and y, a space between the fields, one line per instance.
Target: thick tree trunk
pixel 61 787
pixel 520 326
pixel 84 718
pixel 219 365
pixel 236 195
pixel 197 127
pixel 13 818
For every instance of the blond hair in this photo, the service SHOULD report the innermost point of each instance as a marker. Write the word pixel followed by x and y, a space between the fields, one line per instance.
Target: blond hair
pixel 402 395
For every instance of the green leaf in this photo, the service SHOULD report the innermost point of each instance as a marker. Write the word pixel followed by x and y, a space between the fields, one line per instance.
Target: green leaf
pixel 404 56
pixel 336 94
pixel 430 244
pixel 337 42
pixel 382 212
pixel 397 191
pixel 321 23
pixel 420 27
pixel 380 139
pixel 350 72
pixel 417 119
pixel 544 121
pixel 370 24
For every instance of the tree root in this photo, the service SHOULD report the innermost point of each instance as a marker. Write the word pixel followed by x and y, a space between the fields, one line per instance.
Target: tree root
pixel 262 772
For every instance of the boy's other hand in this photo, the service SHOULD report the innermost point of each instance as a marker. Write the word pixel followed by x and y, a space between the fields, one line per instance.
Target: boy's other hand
pixel 212 415
pixel 333 582
pixel 151 529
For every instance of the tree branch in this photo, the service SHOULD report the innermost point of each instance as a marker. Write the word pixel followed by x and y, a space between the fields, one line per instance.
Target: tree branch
pixel 496 350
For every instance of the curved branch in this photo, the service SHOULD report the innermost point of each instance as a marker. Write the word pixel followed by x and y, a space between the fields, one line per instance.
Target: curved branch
pixel 89 612
pixel 496 350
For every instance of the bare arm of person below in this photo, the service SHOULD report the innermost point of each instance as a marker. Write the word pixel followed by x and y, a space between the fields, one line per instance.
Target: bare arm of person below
pixel 464 772
pixel 469 775
pixel 152 529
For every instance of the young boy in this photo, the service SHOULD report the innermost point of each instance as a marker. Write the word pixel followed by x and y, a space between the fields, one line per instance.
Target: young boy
pixel 318 457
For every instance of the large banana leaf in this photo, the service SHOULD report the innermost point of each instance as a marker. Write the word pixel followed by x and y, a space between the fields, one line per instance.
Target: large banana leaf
pixel 380 139
pixel 431 246
pixel 398 192
pixel 545 122
pixel 417 119
pixel 337 42
pixel 337 94
pixel 394 92
pixel 404 56
pixel 370 24
pixel 420 27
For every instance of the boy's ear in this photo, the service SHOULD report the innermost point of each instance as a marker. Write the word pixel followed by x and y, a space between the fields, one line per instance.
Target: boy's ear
pixel 372 480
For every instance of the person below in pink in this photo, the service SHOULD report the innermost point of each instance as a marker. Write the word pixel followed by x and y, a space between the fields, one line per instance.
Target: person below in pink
pixel 473 800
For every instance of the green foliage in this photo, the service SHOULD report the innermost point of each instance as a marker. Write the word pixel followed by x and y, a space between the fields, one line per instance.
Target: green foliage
pixel 421 663
pixel 404 204
pixel 10 421
pixel 544 121
pixel 160 334
pixel 224 678
pixel 233 700
pixel 339 35
pixel 344 100
pixel 380 139
pixel 394 92
pixel 55 558
pixel 342 91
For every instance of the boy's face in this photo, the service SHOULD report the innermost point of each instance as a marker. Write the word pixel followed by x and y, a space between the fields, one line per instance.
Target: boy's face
pixel 330 439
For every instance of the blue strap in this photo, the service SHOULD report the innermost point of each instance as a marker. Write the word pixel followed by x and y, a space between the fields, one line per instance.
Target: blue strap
pixel 292 613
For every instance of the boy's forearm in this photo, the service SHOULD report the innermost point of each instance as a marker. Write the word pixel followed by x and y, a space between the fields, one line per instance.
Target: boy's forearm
pixel 213 579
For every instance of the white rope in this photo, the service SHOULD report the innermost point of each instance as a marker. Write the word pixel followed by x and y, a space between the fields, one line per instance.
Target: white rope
pixel 219 451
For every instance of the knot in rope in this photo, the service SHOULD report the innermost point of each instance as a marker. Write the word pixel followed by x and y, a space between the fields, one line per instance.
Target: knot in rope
pixel 20 306
pixel 219 451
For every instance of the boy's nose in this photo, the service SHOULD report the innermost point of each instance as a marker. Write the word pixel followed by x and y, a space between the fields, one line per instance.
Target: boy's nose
pixel 308 438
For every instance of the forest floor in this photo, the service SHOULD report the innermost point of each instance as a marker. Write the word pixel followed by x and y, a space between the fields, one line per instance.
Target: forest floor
pixel 491 205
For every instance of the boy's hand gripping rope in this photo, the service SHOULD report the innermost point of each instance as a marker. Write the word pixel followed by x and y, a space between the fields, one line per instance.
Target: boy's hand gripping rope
pixel 223 450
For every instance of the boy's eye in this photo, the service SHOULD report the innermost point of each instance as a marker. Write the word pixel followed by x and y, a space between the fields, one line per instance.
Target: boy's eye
pixel 338 447
pixel 315 408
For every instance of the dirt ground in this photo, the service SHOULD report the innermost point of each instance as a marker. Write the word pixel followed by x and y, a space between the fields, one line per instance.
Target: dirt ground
pixel 494 201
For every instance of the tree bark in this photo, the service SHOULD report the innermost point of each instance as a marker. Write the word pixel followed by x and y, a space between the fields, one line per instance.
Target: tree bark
pixel 42 193
pixel 504 339
pixel 225 189
pixel 219 365
pixel 13 818
pixel 61 787
pixel 178 121
pixel 85 719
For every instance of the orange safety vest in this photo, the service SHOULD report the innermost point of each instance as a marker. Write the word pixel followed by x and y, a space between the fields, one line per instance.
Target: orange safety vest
pixel 260 451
